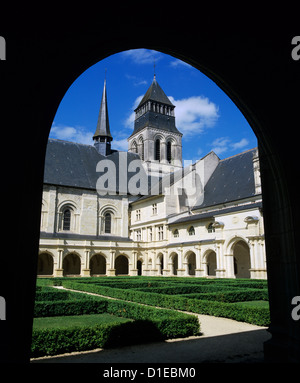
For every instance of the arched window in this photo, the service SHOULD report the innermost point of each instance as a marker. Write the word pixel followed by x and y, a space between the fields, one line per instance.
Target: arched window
pixel 176 233
pixel 157 150
pixel 107 223
pixel 67 219
pixel 134 147
pixel 191 230
pixel 210 228
pixel 142 148
pixel 169 151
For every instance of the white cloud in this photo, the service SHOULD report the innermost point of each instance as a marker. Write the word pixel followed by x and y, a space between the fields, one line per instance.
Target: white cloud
pixel 120 144
pixel 142 56
pixel 224 144
pixel 70 133
pixel 129 122
pixel 136 80
pixel 220 145
pixel 241 144
pixel 194 115
pixel 178 63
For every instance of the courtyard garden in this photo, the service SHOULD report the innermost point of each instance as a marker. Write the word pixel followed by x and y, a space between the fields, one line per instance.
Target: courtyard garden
pixel 143 309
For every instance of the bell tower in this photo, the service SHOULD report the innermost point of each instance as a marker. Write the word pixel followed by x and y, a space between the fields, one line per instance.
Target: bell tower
pixel 155 136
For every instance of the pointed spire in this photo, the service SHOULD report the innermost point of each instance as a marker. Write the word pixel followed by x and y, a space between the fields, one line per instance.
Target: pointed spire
pixel 102 129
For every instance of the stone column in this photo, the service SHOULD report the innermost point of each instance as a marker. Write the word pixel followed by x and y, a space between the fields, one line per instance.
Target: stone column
pixel 58 272
pixel 199 271
pixel 166 269
pixel 133 270
pixel 180 270
pixel 111 271
pixel 220 271
pixel 86 272
pixel 229 266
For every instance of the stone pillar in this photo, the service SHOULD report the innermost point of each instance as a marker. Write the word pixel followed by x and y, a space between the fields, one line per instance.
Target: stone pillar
pixel 111 271
pixel 133 265
pixel 86 272
pixel 229 266
pixel 163 152
pixel 166 269
pixel 59 272
pixel 199 271
pixel 180 270
pixel 220 271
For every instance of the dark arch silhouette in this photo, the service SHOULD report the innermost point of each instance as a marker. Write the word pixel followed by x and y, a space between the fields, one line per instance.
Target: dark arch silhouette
pixel 254 68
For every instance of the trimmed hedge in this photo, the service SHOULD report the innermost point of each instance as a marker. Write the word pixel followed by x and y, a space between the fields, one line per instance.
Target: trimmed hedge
pixel 254 315
pixel 232 296
pixel 150 324
pixel 57 341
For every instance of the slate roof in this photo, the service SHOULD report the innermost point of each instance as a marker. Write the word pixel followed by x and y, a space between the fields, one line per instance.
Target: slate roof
pixel 155 93
pixel 157 121
pixel 233 179
pixel 153 119
pixel 216 213
pixel 74 165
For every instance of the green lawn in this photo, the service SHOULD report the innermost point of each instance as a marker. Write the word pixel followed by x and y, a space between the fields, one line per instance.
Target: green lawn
pixel 77 320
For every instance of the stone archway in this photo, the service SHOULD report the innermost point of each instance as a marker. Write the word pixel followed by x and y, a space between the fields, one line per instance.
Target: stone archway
pixel 191 263
pixel 160 263
pixel 238 63
pixel 211 263
pixel 139 267
pixel 174 265
pixel 45 264
pixel 121 265
pixel 71 265
pixel 98 265
pixel 241 257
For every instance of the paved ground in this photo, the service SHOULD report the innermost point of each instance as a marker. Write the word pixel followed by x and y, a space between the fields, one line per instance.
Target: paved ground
pixel 223 340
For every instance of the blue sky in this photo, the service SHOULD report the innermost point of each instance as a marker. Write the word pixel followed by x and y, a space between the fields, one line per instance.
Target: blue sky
pixel 205 115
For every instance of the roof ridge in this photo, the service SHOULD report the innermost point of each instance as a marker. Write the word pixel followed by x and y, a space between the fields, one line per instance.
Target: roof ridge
pixel 238 154
pixel 70 142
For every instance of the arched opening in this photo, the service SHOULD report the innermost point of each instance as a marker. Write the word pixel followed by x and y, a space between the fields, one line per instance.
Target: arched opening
pixel 191 259
pixel 169 151
pixel 142 148
pixel 211 263
pixel 174 264
pixel 45 264
pixel 160 259
pixel 67 219
pixel 121 265
pixel 139 267
pixel 98 265
pixel 157 149
pixel 107 223
pixel 280 243
pixel 241 255
pixel 71 265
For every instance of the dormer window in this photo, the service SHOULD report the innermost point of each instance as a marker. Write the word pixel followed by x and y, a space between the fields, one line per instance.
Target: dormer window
pixel 211 228
pixel 191 230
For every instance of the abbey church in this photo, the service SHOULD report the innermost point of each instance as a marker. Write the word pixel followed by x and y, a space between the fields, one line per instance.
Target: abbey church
pixel 145 212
